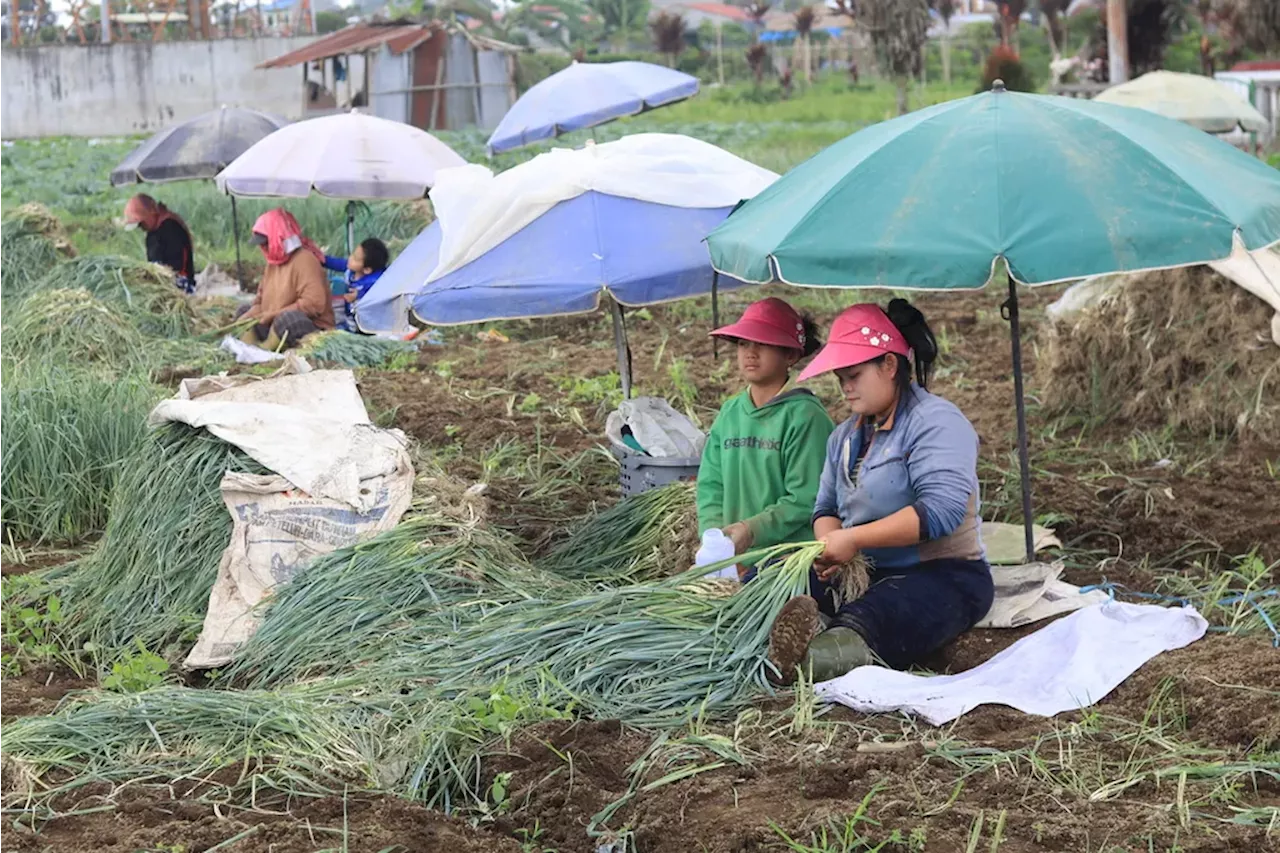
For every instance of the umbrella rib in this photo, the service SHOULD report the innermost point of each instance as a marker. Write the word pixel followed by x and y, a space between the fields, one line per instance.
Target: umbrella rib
pixel 1001 237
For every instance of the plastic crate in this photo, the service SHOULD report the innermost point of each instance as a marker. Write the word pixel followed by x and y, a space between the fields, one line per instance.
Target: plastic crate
pixel 641 473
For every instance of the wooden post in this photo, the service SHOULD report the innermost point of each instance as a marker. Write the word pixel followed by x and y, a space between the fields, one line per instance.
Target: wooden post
pixel 720 51
pixel 437 94
pixel 1117 41
pixel 346 60
pixel 368 93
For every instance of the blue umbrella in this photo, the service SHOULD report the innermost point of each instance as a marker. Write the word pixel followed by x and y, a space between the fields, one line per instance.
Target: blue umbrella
pixel 564 262
pixel 585 95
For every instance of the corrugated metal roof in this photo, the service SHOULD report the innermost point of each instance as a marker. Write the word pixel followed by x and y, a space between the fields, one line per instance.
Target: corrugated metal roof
pixel 1257 65
pixel 722 10
pixel 357 38
pixel 823 19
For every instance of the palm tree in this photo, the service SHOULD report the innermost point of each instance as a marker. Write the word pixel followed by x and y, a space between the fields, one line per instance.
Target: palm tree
pixel 1054 11
pixel 898 30
pixel 561 21
pixel 668 35
pixel 757 56
pixel 945 9
pixel 849 9
pixel 1245 24
pixel 804 19
pixel 755 12
pixel 620 17
pixel 1152 27
pixel 1010 14
pixel 1260 25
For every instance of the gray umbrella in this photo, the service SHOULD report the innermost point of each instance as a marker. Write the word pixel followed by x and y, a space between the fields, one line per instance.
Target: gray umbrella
pixel 197 149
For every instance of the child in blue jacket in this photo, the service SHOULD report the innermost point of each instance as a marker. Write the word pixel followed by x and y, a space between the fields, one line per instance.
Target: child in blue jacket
pixel 362 269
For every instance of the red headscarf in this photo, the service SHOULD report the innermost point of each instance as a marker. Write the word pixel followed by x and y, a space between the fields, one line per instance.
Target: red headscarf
pixel 150 214
pixel 284 236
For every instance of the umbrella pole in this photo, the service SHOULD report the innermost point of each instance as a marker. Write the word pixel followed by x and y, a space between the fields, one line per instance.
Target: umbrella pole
pixel 1010 311
pixel 351 227
pixel 235 230
pixel 715 311
pixel 624 348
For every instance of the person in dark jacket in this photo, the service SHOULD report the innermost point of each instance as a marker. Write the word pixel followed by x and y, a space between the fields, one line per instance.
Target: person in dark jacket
pixel 168 238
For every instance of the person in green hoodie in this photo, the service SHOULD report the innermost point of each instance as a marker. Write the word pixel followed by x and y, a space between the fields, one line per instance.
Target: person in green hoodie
pixel 763 459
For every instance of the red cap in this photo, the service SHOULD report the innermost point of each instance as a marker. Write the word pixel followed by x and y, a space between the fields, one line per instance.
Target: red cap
pixel 770 321
pixel 860 333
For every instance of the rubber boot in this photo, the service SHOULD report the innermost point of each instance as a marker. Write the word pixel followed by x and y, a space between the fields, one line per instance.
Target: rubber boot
pixel 272 343
pixel 795 626
pixel 834 652
pixel 250 337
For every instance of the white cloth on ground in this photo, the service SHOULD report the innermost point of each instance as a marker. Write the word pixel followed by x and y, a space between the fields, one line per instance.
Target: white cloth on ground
pixel 1071 663
pixel 248 353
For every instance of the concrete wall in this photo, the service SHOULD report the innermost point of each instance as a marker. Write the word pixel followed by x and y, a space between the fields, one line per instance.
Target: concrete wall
pixel 126 88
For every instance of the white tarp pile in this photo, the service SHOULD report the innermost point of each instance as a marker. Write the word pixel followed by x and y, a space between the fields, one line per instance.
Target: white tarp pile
pixel 1257 272
pixel 1031 592
pixel 1027 592
pixel 337 479
pixel 478 210
pixel 1071 663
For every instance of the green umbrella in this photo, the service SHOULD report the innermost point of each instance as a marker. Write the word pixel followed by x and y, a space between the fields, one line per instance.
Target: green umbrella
pixel 1052 188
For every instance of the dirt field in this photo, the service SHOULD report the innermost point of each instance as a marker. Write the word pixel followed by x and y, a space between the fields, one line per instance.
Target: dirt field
pixel 1185 756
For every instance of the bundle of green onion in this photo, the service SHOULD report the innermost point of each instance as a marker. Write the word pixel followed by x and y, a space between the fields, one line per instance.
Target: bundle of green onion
pixel 149 579
pixel 32 242
pixel 146 292
pixel 643 536
pixel 349 350
pixel 326 736
pixel 363 603
pixel 649 654
pixel 69 326
pixel 67 433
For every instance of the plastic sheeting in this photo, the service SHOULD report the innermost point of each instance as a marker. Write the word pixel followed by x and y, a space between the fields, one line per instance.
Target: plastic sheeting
pixel 478 210
pixel 551 236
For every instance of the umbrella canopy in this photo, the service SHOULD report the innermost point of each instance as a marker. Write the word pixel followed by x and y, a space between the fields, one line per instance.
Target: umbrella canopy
pixel 196 149
pixel 585 95
pixel 1058 188
pixel 638 252
pixel 1201 102
pixel 1054 188
pixel 552 235
pixel 349 156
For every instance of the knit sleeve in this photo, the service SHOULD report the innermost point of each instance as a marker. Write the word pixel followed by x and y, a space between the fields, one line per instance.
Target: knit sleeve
pixel 942 462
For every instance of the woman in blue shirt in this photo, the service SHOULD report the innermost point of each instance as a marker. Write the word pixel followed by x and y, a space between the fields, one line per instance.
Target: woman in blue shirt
pixel 899 487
